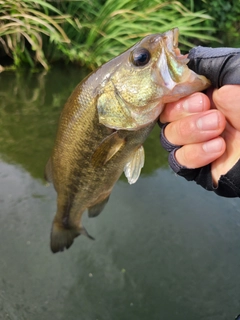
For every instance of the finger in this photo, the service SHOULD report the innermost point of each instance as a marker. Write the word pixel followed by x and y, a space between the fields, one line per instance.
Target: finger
pixel 231 156
pixel 200 154
pixel 227 101
pixel 197 102
pixel 195 128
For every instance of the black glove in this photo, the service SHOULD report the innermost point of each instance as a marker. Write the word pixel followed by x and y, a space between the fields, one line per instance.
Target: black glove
pixel 221 66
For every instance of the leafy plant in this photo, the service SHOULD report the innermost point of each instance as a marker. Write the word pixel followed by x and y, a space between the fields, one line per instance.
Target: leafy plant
pixel 23 25
pixel 105 30
pixel 93 31
pixel 225 20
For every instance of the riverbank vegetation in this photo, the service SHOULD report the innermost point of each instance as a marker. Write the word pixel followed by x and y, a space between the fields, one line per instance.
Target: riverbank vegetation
pixel 90 32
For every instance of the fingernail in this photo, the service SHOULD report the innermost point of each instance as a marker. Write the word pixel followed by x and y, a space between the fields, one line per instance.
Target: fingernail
pixel 194 103
pixel 208 122
pixel 215 145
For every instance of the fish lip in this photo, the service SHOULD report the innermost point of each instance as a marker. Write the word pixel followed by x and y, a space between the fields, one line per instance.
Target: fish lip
pixel 170 39
pixel 171 42
pixel 175 32
pixel 171 63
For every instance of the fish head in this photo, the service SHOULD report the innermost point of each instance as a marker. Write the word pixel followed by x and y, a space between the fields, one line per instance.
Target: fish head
pixel 143 79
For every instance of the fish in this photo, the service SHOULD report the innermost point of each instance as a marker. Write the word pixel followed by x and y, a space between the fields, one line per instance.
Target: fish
pixel 104 124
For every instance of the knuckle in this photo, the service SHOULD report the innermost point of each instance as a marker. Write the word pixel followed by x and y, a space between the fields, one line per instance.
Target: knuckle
pixel 186 157
pixel 185 127
pixel 189 155
pixel 192 156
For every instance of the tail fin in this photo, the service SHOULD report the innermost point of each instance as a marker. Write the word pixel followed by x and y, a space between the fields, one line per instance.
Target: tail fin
pixel 62 237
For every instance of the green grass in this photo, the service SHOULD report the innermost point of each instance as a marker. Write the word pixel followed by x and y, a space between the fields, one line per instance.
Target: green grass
pixel 23 25
pixel 92 31
pixel 110 28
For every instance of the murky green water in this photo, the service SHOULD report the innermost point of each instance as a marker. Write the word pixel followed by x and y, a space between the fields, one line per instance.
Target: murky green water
pixel 165 249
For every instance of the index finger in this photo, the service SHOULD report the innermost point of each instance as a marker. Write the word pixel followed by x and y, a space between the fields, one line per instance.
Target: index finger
pixel 195 103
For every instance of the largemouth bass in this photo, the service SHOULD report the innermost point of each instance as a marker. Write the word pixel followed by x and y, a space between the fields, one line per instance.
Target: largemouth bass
pixel 104 124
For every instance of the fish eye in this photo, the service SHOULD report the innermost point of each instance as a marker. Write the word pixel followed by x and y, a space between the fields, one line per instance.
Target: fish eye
pixel 140 57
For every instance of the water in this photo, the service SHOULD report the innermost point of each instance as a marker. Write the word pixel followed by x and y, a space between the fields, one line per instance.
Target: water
pixel 165 248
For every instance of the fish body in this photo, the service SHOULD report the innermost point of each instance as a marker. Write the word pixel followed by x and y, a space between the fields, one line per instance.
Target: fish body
pixel 104 124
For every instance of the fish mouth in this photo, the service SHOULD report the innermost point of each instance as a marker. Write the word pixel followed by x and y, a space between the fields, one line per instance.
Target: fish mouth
pixel 171 63
pixel 171 41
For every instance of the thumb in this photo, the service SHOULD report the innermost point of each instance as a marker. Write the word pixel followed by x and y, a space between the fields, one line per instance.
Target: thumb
pixel 227 99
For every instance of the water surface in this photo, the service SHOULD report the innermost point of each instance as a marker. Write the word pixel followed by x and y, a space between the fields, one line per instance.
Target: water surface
pixel 165 248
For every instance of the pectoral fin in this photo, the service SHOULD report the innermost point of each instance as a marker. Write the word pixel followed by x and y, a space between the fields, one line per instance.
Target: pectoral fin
pixel 107 149
pixel 133 168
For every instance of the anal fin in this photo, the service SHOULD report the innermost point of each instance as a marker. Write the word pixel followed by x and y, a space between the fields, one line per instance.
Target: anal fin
pixel 95 210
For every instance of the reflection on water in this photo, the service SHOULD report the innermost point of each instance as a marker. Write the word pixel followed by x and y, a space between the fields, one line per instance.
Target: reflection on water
pixel 164 249
pixel 30 106
pixel 29 112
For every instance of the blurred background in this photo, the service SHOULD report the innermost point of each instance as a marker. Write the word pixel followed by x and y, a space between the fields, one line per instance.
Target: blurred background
pixel 90 32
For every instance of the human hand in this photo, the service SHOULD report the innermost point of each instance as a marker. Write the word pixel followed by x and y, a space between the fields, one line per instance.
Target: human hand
pixel 208 129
